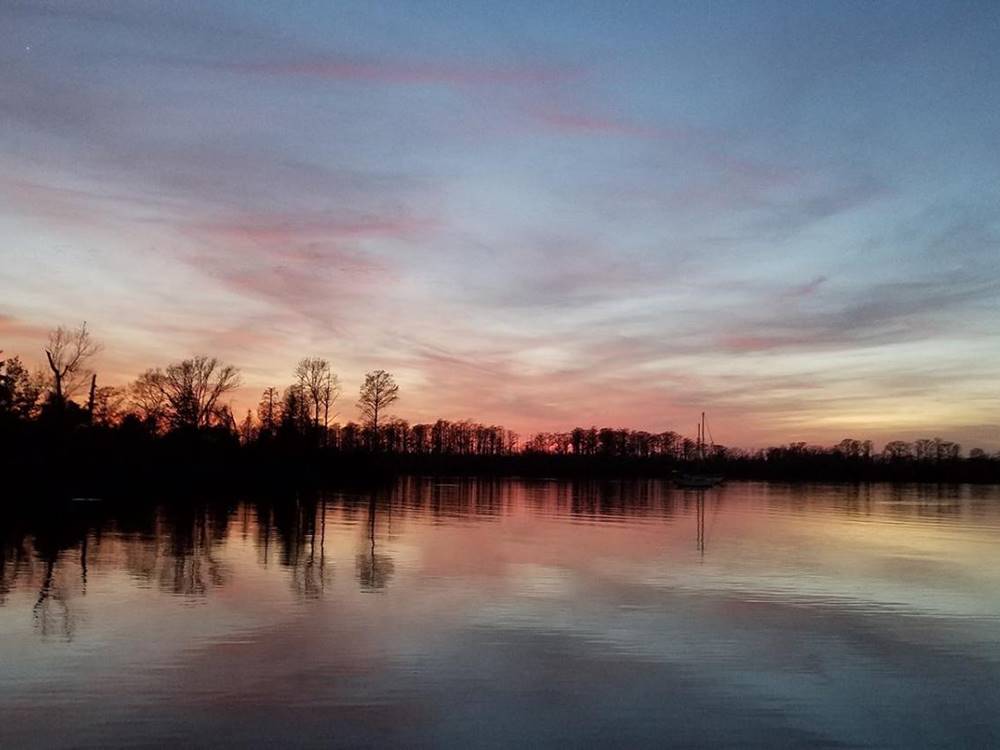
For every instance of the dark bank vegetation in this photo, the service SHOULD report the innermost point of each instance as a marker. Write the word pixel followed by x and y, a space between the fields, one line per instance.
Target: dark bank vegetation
pixel 174 424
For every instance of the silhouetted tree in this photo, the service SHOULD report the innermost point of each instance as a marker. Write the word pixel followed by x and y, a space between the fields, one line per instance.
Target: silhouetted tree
pixel 268 412
pixel 897 450
pixel 191 391
pixel 378 392
pixel 350 438
pixel 67 353
pixel 189 395
pixel 296 418
pixel 848 448
pixel 946 450
pixel 396 436
pixel 147 399
pixel 19 390
pixel 420 438
pixel 106 405
pixel 320 385
pixel 247 430
pixel 924 449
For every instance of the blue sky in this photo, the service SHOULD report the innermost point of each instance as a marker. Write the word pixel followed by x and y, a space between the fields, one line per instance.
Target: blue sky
pixel 536 214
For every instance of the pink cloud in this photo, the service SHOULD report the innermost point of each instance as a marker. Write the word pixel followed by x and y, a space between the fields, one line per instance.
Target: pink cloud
pixel 564 121
pixel 402 73
pixel 317 281
pixel 13 328
pixel 305 263
pixel 806 290
pixel 493 386
pixel 763 343
pixel 22 339
pixel 278 229
pixel 58 205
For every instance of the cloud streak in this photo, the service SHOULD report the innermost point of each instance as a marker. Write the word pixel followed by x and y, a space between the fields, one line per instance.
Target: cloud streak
pixel 405 73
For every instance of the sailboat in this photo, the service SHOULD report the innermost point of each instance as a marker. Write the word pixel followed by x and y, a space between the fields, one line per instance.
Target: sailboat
pixel 699 479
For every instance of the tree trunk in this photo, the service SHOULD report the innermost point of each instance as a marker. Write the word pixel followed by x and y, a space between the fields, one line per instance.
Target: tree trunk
pixel 56 376
pixel 90 400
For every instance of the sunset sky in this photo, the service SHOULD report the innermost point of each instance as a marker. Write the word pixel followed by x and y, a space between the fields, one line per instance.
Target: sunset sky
pixel 534 214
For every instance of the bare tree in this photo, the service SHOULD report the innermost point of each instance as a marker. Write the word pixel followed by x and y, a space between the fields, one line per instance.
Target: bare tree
pixel 67 353
pixel 377 393
pixel 190 391
pixel 320 385
pixel 268 411
pixel 147 399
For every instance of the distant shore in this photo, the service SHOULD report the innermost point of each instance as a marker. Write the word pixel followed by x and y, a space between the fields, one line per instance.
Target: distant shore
pixel 172 427
pixel 80 466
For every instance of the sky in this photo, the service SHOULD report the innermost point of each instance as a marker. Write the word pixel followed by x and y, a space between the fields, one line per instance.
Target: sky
pixel 534 214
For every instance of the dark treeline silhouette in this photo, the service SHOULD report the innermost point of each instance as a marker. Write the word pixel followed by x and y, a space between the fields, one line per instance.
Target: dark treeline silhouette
pixel 61 426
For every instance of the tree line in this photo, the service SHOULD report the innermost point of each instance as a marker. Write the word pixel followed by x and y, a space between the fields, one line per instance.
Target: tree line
pixel 62 411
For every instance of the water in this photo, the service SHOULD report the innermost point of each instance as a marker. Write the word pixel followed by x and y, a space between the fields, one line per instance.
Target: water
pixel 508 613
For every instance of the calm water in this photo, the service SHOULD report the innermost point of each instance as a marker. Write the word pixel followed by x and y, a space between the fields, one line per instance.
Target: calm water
pixel 509 613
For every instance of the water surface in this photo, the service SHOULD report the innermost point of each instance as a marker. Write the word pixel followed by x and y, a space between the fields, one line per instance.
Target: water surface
pixel 493 613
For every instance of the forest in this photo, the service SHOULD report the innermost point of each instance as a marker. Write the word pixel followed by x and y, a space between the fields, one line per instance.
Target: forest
pixel 173 424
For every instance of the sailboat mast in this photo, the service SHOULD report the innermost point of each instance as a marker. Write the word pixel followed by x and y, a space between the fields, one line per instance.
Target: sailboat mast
pixel 703 434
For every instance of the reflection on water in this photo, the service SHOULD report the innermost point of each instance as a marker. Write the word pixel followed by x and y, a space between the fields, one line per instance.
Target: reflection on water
pixel 486 613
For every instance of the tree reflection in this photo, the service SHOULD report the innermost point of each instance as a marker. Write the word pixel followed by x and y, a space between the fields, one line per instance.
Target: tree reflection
pixel 192 547
pixel 180 555
pixel 305 553
pixel 15 557
pixel 299 527
pixel 374 570
pixel 52 612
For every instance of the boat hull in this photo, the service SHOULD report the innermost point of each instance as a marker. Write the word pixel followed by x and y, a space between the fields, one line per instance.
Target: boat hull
pixel 697 481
